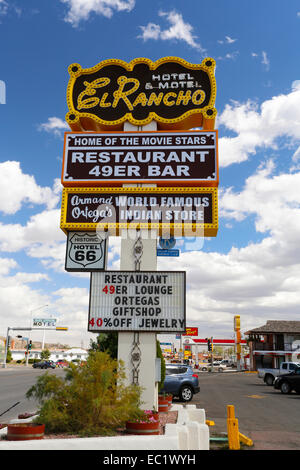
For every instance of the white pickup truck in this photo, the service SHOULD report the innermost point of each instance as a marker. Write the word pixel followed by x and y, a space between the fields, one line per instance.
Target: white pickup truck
pixel 269 375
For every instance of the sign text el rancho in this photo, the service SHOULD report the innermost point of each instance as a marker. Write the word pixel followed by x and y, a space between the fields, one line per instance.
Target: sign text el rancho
pixel 171 91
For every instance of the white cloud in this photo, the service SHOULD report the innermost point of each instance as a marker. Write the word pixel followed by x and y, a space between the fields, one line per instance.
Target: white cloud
pixel 3 7
pixel 259 127
pixel 54 125
pixel 80 10
pixel 20 188
pixel 260 280
pixel 265 60
pixel 19 300
pixel 179 30
pixel 229 56
pixel 42 228
pixel 228 40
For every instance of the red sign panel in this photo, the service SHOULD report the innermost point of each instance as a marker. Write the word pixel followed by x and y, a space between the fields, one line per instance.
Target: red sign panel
pixel 191 332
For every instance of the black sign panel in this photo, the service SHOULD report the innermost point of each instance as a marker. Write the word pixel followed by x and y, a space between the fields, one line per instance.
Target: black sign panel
pixel 158 157
pixel 168 90
pixel 158 208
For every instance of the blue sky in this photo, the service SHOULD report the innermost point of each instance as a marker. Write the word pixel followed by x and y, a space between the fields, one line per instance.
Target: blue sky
pixel 252 267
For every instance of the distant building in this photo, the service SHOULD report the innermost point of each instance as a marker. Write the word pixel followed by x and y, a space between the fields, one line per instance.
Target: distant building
pixel 55 355
pixel 273 343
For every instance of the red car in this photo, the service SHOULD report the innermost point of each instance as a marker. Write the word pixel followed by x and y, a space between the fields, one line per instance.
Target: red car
pixel 62 363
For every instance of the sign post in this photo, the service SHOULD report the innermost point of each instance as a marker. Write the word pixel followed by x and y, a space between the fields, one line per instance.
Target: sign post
pixel 133 167
pixel 237 329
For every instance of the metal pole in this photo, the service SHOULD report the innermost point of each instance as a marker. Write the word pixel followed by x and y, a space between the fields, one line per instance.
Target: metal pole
pixel 180 350
pixel 27 350
pixel 43 342
pixel 31 311
pixel 6 348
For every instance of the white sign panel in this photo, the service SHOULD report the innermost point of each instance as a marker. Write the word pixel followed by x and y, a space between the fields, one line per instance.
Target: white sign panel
pixel 86 251
pixel 137 301
pixel 44 323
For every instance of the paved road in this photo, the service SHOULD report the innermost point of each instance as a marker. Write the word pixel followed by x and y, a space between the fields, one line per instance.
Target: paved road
pixel 270 419
pixel 14 383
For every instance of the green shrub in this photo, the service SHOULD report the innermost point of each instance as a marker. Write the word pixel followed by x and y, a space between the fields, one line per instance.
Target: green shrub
pixel 162 366
pixel 45 355
pixel 90 400
pixel 8 356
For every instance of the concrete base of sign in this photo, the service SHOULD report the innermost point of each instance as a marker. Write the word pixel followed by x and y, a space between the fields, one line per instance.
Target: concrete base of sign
pixel 189 433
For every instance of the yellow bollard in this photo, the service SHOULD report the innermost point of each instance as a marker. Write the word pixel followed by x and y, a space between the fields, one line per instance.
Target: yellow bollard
pixel 209 422
pixel 232 429
pixel 245 440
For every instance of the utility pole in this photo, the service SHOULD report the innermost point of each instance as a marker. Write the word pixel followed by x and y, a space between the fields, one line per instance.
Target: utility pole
pixel 211 354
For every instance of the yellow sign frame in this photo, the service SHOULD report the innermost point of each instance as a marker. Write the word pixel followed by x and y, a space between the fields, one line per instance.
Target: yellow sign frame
pixel 176 229
pixel 84 121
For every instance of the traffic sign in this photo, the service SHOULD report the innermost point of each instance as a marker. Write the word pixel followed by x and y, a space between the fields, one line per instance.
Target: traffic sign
pixel 43 323
pixel 167 243
pixel 172 253
pixel 86 251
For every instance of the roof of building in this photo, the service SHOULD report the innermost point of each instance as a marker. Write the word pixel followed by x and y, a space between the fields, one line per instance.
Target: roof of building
pixel 277 326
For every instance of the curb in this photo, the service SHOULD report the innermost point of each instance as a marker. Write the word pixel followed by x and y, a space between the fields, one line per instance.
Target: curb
pixel 189 433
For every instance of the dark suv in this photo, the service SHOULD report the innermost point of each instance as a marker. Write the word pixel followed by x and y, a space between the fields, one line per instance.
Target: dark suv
pixel 44 365
pixel 181 381
pixel 288 382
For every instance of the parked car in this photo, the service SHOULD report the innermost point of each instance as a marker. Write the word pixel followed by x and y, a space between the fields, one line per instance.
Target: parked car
pixel 269 375
pixel 44 365
pixel 288 382
pixel 204 366
pixel 216 363
pixel 227 363
pixel 219 367
pixel 61 363
pixel 181 381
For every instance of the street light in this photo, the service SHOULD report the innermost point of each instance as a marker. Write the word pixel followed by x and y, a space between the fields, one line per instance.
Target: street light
pixel 31 312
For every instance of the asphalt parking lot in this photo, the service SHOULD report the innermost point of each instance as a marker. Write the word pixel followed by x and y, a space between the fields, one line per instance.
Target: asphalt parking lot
pixel 270 419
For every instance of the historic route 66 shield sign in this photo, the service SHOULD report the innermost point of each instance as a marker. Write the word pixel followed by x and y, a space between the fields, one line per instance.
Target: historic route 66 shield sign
pixel 86 251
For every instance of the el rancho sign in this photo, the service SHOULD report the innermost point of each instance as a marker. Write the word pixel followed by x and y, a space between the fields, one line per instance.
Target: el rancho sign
pixel 171 91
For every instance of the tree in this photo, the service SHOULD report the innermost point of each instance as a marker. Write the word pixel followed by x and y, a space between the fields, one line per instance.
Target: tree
pixel 106 342
pixel 45 354
pixel 91 400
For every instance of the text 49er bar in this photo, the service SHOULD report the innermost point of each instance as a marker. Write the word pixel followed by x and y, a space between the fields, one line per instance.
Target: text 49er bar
pixel 137 301
pixel 160 157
